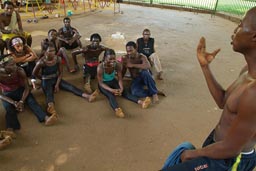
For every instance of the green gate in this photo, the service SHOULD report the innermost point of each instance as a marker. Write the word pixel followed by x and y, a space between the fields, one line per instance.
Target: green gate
pixel 230 7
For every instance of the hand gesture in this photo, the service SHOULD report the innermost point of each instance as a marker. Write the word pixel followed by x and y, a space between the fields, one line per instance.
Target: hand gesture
pixel 116 92
pixel 204 57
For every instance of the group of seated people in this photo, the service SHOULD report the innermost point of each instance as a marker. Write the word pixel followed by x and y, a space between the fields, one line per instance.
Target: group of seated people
pixel 21 68
pixel 224 148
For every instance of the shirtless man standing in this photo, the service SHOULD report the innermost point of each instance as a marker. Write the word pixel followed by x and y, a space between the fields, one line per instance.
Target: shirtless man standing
pixel 11 25
pixel 230 146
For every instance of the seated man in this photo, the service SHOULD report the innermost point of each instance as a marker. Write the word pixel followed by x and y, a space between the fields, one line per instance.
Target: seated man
pixel 68 36
pixel 146 46
pixel 10 24
pixel 230 146
pixel 60 51
pixel 91 55
pixel 16 93
pixel 138 66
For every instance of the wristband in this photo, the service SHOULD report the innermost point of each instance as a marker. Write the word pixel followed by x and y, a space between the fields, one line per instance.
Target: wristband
pixel 21 101
pixel 33 80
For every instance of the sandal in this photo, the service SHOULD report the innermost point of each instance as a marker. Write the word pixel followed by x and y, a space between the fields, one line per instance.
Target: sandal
pixel 146 103
pixel 5 142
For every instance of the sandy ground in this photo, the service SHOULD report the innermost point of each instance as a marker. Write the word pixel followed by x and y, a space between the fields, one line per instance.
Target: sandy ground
pixel 89 137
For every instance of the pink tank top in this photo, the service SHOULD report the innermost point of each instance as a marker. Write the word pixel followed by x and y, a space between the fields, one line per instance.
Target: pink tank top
pixel 11 84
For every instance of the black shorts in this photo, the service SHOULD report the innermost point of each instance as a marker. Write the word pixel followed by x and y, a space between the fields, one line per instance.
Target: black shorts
pixel 67 46
pixel 90 70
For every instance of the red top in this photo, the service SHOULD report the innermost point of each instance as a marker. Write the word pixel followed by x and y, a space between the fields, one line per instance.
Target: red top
pixel 11 84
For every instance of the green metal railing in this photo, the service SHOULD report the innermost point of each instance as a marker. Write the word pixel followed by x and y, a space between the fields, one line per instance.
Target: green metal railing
pixel 230 7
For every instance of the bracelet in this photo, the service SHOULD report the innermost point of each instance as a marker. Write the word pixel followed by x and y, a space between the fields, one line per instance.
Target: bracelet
pixel 33 80
pixel 21 101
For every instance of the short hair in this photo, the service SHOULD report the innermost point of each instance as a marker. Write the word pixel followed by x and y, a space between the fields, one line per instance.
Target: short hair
pixel 51 30
pixel 95 35
pixel 66 18
pixel 131 43
pixel 146 30
pixel 108 52
pixel 8 3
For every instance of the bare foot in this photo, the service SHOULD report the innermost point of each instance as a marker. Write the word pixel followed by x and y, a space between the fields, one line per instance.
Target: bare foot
pixel 155 99
pixel 51 120
pixel 93 96
pixel 146 103
pixel 5 142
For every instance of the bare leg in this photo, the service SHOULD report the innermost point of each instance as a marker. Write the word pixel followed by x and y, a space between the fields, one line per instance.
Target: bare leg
pixel 64 54
pixel 87 85
pixel 79 43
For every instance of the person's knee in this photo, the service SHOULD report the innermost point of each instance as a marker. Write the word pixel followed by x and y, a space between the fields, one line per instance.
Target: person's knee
pixel 135 91
pixel 31 100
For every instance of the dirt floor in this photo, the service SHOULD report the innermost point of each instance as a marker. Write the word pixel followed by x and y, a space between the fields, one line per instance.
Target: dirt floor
pixel 89 137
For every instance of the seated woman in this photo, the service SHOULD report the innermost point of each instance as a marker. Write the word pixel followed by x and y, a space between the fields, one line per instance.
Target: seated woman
pixel 51 76
pixel 23 56
pixel 60 51
pixel 15 94
pixel 111 87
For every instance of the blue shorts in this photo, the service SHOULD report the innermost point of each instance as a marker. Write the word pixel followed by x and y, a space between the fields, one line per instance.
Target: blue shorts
pixel 248 162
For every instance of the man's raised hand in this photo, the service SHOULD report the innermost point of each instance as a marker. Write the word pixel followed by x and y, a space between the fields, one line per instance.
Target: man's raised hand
pixel 204 57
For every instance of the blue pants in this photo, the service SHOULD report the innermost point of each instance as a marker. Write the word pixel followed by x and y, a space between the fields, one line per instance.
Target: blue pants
pixel 49 84
pixel 138 83
pixel 11 112
pixel 112 98
pixel 248 162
